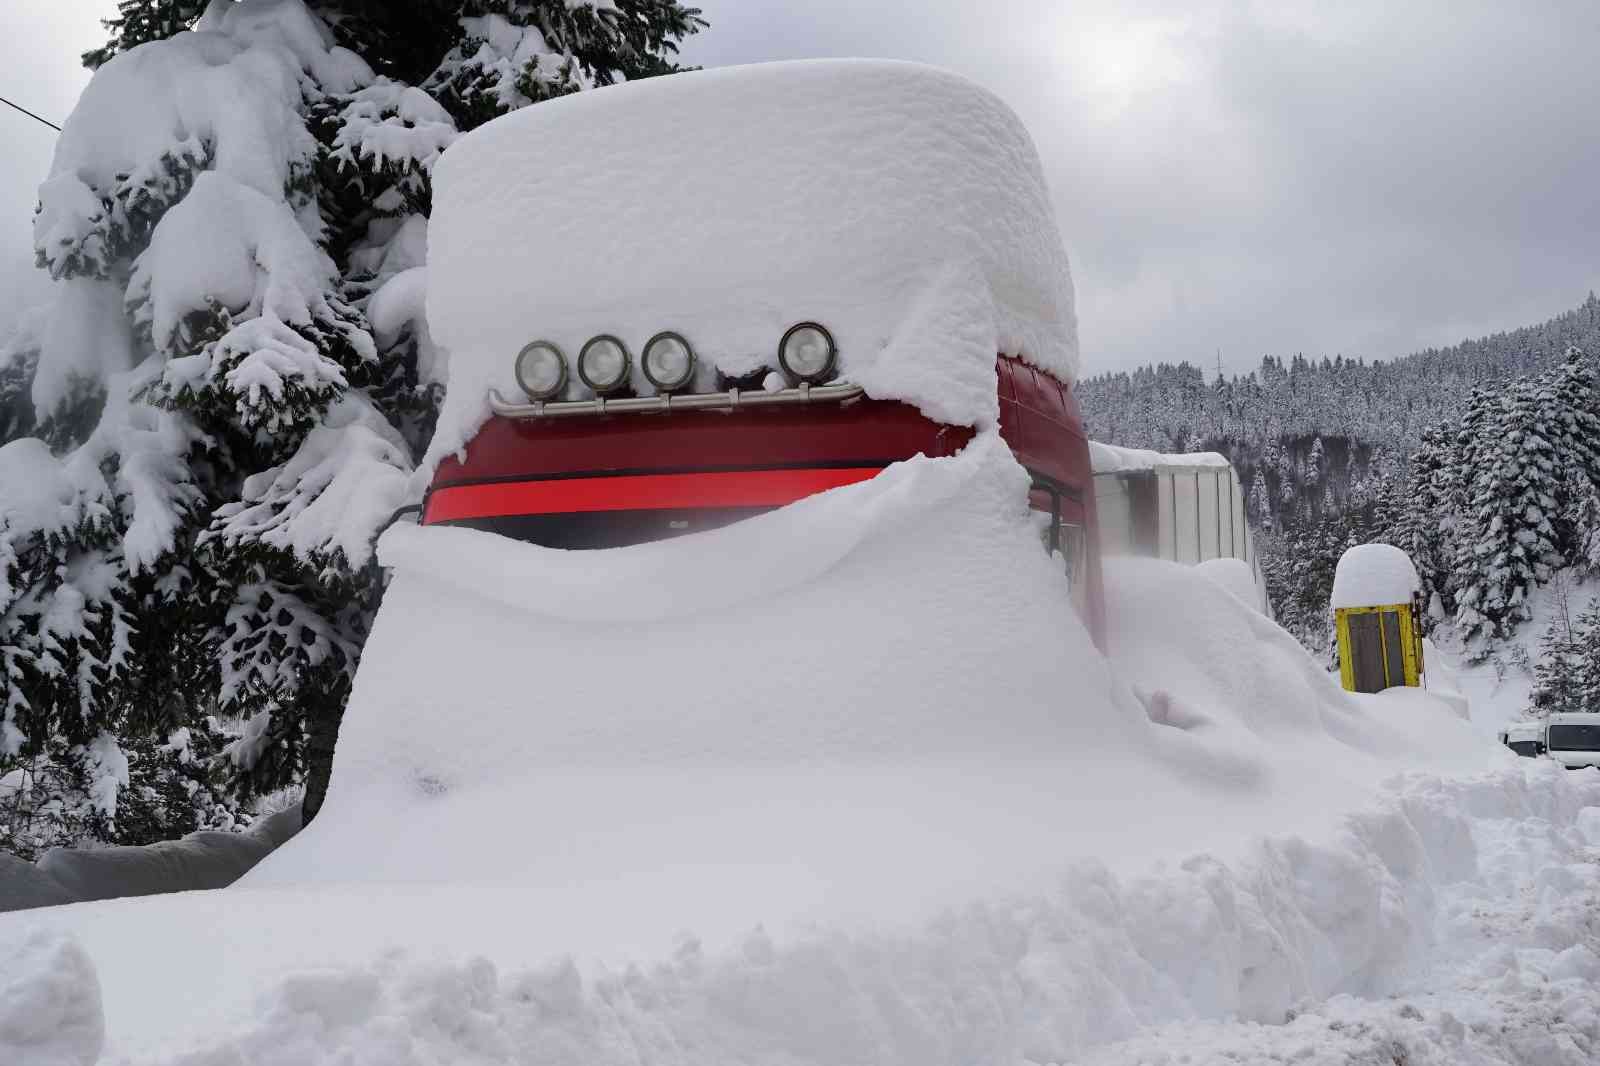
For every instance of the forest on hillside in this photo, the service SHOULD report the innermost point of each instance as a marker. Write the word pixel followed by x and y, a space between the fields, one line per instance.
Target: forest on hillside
pixel 1482 460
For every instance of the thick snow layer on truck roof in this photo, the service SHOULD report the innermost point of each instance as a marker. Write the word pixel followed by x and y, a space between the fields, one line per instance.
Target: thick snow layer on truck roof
pixel 902 207
pixel 1374 575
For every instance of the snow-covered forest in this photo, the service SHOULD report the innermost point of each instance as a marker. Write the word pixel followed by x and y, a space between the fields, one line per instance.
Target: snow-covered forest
pixel 1481 460
pixel 204 429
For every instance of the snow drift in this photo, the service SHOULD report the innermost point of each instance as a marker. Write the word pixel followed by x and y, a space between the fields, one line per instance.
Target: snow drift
pixel 854 762
pixel 1488 879
pixel 201 860
pixel 902 207
pixel 761 708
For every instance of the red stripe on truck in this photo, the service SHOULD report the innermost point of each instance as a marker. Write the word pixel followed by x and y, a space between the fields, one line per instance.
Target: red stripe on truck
pixel 636 492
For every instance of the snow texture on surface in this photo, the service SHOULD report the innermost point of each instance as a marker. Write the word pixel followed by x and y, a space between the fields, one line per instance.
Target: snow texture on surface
pixel 24 885
pixel 1525 731
pixel 202 860
pixel 902 207
pixel 348 476
pixel 1450 922
pixel 1374 575
pixel 1236 576
pixel 50 1009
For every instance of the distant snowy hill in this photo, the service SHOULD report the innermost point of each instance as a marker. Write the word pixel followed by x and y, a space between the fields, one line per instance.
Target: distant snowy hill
pixel 1383 404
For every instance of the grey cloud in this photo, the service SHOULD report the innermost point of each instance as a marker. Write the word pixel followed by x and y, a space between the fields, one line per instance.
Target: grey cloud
pixel 1366 178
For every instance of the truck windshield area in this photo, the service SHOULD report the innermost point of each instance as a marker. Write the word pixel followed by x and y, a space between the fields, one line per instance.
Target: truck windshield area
pixel 591 530
pixel 1575 738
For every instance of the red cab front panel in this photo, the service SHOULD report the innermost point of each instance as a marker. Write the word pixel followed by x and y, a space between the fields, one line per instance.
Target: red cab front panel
pixel 612 480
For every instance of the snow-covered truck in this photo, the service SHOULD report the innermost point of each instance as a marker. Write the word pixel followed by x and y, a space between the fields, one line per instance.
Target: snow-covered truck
pixel 853 264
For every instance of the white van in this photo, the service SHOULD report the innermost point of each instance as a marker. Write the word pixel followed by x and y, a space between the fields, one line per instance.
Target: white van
pixel 1573 739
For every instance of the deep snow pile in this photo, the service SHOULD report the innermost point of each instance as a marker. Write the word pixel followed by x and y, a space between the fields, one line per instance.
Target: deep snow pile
pixel 1373 575
pixel 863 791
pixel 1460 912
pixel 901 206
pixel 200 860
pixel 1238 577
pixel 1515 978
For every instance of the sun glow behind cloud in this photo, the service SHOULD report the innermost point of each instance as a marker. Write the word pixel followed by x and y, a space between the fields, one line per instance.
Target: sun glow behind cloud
pixel 1112 61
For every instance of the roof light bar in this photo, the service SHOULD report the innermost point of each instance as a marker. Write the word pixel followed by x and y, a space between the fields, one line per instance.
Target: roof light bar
pixel 732 400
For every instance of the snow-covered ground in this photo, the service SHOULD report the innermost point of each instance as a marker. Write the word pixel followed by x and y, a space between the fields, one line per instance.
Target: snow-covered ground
pixel 868 794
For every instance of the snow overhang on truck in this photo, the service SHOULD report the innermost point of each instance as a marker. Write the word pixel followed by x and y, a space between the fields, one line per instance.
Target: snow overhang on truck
pixel 729 213
pixel 675 303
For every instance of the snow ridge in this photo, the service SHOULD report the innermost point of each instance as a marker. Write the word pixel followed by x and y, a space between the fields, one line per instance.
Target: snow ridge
pixel 1479 878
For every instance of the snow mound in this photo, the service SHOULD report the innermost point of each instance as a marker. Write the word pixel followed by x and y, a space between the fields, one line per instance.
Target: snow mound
pixel 846 782
pixel 1236 576
pixel 1484 880
pixel 23 885
pixel 202 860
pixel 609 703
pixel 50 1013
pixel 761 605
pixel 1374 575
pixel 902 207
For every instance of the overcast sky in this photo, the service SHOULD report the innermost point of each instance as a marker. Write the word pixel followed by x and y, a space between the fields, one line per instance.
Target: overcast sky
pixel 1362 178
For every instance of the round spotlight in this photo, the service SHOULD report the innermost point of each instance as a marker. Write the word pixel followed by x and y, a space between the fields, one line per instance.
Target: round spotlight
pixel 668 361
pixel 603 364
pixel 807 353
pixel 541 370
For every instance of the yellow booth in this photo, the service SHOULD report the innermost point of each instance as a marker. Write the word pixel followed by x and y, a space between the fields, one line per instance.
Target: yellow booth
pixel 1377 613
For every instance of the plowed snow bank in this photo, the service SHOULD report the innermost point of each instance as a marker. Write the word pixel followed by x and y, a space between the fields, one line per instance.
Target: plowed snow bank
pixel 1430 879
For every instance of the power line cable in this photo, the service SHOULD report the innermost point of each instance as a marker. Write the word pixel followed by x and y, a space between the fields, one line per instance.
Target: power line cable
pixel 30 114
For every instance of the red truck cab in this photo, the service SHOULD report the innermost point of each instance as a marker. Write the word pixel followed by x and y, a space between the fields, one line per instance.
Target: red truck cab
pixel 597 474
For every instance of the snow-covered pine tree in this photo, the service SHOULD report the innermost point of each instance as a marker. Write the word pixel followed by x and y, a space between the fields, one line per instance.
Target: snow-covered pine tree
pixel 1576 435
pixel 1259 502
pixel 1587 637
pixel 1420 521
pixel 1558 681
pixel 1509 542
pixel 142 21
pixel 234 376
pixel 1584 520
pixel 19 357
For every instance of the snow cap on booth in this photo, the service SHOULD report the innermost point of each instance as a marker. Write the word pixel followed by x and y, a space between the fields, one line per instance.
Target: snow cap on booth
pixel 1374 575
